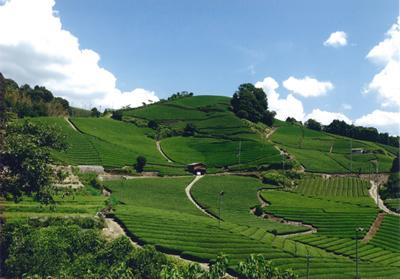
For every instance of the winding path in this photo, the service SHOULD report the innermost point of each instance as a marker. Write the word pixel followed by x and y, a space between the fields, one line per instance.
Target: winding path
pixel 191 199
pixel 374 193
pixel 162 152
pixel 71 124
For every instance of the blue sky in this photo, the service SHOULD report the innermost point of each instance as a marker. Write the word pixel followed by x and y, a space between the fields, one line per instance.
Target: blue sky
pixel 210 47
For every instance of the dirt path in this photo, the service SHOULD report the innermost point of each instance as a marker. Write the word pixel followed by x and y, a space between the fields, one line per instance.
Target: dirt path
pixel 71 124
pixel 269 134
pixel 265 203
pixel 190 197
pixel 374 193
pixel 374 228
pixel 162 152
pixel 113 230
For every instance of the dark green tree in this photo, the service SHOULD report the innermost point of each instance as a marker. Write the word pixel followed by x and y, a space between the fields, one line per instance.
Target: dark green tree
pixel 117 115
pixel 313 124
pixel 251 103
pixel 140 163
pixel 95 112
pixel 152 125
pixel 25 158
pixel 190 130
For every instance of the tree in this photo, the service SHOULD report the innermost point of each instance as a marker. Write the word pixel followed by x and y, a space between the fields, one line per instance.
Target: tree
pixel 140 163
pixel 152 125
pixel 95 112
pixel 25 158
pixel 313 124
pixel 251 103
pixel 395 164
pixel 190 130
pixel 117 115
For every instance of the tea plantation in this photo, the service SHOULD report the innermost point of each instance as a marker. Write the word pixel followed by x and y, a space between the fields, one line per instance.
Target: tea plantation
pixel 328 153
pixel 156 211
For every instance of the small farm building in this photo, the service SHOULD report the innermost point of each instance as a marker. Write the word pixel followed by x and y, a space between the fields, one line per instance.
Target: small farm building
pixel 197 168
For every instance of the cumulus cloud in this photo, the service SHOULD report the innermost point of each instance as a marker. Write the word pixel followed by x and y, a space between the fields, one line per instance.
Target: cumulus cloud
pixel 383 120
pixel 336 39
pixel 307 86
pixel 386 55
pixel 284 107
pixel 35 49
pixel 326 117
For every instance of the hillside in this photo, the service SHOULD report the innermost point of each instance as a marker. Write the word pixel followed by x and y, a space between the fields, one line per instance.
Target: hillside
pixel 219 139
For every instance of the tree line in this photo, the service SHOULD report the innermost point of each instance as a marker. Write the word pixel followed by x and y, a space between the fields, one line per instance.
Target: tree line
pixel 340 127
pixel 25 101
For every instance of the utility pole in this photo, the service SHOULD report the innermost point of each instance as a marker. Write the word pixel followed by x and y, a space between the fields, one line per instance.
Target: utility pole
pixel 240 150
pixel 219 208
pixel 283 160
pixel 357 271
pixel 308 266
pixel 351 155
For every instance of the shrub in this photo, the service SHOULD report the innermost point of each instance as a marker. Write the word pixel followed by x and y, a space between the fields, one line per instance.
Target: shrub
pixel 275 178
pixel 140 163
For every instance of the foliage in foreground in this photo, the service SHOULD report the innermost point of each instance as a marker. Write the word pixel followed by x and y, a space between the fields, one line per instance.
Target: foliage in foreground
pixel 25 158
pixel 74 248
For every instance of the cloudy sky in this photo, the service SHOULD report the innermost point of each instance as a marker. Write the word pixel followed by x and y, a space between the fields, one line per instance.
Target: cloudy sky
pixel 315 59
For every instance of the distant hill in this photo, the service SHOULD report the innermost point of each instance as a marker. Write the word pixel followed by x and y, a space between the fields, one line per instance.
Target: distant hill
pixel 37 101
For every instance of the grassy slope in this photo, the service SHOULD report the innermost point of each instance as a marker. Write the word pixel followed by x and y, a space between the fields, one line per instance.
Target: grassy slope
pixel 84 203
pixel 323 152
pixel 220 131
pixel 157 212
pixel 336 207
pixel 240 194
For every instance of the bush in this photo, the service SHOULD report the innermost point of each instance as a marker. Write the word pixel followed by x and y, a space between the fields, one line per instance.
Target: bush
pixel 140 163
pixel 275 178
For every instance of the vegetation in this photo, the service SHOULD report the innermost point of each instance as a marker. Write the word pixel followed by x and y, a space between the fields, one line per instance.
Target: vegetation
pixel 37 101
pixel 371 134
pixel 323 152
pixel 313 124
pixel 250 103
pixel 25 157
pixel 140 163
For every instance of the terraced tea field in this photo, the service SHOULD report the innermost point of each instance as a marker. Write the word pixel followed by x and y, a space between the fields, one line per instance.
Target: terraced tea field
pixel 220 133
pixel 323 152
pixel 157 211
pixel 84 203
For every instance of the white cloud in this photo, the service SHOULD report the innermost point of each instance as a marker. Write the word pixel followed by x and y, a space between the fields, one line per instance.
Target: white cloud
pixel 386 54
pixel 290 106
pixel 336 39
pixel 307 87
pixel 35 49
pixel 326 117
pixel 385 121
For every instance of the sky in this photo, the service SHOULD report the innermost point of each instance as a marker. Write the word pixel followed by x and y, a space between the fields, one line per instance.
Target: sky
pixel 325 60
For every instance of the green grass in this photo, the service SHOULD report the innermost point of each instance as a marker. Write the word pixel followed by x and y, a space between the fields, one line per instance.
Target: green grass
pixel 240 195
pixel 156 211
pixel 215 152
pixel 218 136
pixel 323 152
pixel 84 203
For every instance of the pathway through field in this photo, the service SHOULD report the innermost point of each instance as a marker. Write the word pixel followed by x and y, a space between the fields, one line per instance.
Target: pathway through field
pixel 190 197
pixel 374 227
pixel 71 124
pixel 374 193
pixel 162 152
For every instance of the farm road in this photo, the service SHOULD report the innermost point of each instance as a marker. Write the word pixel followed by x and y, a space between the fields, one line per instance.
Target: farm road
pixel 71 124
pixel 190 197
pixel 374 193
pixel 162 152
